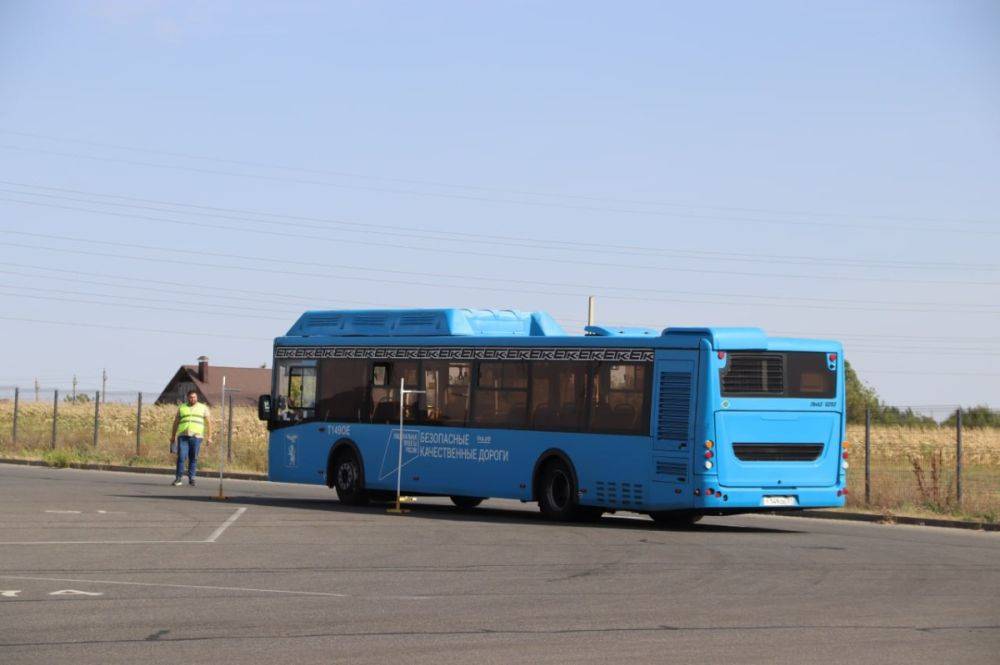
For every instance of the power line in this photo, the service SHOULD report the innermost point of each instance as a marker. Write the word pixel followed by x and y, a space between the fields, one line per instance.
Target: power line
pixel 466 237
pixel 466 252
pixel 386 190
pixel 901 344
pixel 819 305
pixel 178 331
pixel 517 192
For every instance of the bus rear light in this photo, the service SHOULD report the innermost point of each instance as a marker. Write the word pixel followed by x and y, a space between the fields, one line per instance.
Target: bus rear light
pixel 709 444
pixel 833 357
pixel 845 455
pixel 721 355
pixel 710 491
pixel 708 454
pixel 708 465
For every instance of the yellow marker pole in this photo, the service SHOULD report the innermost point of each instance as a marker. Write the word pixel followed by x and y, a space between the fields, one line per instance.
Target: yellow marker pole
pixel 403 392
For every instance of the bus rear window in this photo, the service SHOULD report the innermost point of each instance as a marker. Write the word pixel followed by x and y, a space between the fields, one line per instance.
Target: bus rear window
pixel 789 374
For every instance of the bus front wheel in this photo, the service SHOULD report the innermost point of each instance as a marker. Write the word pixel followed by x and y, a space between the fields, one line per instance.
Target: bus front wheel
pixel 347 479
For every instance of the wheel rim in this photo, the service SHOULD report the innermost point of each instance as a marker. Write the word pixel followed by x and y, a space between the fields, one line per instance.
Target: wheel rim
pixel 346 476
pixel 559 490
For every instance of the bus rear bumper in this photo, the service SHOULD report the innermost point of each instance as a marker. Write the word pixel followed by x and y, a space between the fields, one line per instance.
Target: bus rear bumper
pixel 757 498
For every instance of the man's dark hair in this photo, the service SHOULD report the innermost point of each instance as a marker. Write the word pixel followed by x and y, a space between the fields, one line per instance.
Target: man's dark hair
pixel 191 392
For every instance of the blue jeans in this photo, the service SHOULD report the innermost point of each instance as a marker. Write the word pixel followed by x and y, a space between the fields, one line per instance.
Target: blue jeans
pixel 187 454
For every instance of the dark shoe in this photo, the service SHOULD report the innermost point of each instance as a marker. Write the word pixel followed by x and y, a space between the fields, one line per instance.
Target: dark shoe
pixel 190 482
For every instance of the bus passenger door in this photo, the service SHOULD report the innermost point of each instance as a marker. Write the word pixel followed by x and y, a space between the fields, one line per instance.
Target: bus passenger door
pixel 675 394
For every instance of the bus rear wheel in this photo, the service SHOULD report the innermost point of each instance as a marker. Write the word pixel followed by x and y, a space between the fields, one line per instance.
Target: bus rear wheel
pixel 674 519
pixel 466 502
pixel 557 492
pixel 346 471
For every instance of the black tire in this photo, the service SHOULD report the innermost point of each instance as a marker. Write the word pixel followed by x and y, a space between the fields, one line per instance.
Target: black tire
pixel 347 479
pixel 675 519
pixel 557 496
pixel 466 502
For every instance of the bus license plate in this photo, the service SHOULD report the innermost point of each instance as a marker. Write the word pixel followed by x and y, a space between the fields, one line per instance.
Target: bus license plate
pixel 779 501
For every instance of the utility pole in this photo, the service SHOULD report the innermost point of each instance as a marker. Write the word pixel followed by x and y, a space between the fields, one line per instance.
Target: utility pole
pixel 36 389
pixel 104 385
pixel 74 388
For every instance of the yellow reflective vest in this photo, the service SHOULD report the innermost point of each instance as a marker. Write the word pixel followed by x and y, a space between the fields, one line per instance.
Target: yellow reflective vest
pixel 192 419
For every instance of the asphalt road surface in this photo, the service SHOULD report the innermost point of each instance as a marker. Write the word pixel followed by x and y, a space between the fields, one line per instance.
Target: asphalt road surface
pixel 99 567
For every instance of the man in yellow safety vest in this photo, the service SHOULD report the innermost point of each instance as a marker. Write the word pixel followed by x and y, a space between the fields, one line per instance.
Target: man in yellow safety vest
pixel 191 425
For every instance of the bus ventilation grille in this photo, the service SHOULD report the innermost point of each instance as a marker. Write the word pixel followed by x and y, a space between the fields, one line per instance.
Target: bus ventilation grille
pixel 326 321
pixel 672 469
pixel 370 320
pixel 419 319
pixel 619 494
pixel 754 374
pixel 777 452
pixel 674 407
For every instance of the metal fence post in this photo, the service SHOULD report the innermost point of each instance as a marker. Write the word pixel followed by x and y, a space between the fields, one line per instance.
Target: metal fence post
pixel 97 415
pixel 868 455
pixel 55 416
pixel 138 426
pixel 958 456
pixel 229 432
pixel 17 400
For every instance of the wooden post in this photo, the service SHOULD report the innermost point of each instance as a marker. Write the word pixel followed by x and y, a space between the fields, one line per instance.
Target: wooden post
pixel 958 457
pixel 55 416
pixel 868 455
pixel 138 427
pixel 17 399
pixel 97 415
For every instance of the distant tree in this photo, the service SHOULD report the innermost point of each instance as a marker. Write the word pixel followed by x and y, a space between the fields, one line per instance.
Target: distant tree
pixel 976 416
pixel 79 398
pixel 860 396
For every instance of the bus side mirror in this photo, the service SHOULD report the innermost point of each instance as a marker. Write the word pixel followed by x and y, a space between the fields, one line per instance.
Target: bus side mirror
pixel 264 407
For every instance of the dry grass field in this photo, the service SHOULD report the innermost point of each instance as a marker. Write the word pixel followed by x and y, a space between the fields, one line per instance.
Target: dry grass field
pixel 913 468
pixel 117 435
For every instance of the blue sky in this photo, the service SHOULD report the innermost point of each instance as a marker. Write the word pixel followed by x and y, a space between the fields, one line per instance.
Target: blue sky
pixel 822 169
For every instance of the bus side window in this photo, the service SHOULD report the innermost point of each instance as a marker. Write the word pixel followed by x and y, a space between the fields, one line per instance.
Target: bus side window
pixel 342 386
pixel 558 395
pixel 447 386
pixel 501 395
pixel 385 377
pixel 619 398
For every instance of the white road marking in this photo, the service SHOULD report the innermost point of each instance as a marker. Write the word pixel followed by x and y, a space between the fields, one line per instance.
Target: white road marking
pixel 211 538
pixel 101 542
pixel 173 586
pixel 74 592
pixel 225 525
pixel 10 594
pixel 65 512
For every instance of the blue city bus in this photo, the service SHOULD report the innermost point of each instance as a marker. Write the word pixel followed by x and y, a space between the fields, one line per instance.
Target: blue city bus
pixel 676 424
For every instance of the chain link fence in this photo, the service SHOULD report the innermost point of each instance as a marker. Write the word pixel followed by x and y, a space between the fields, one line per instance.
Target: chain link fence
pixel 933 462
pixel 927 460
pixel 119 427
